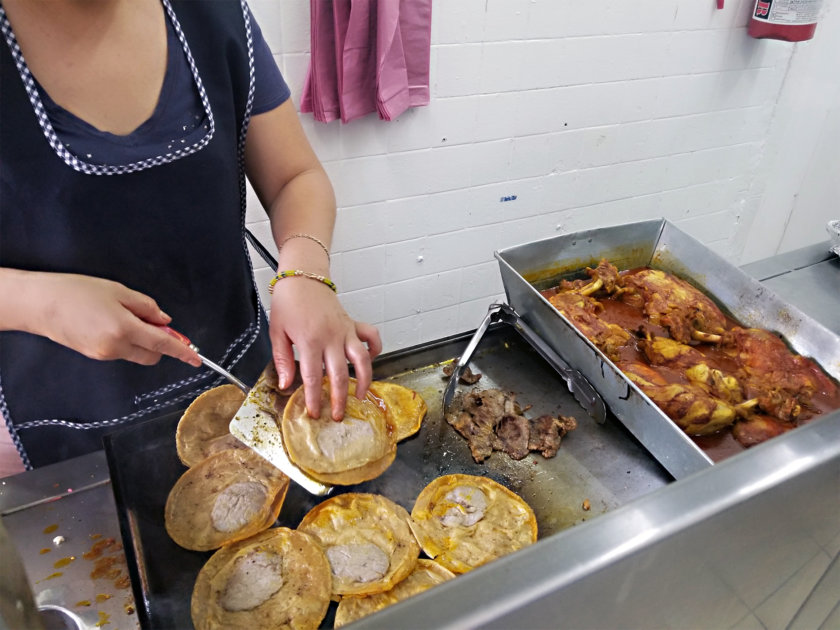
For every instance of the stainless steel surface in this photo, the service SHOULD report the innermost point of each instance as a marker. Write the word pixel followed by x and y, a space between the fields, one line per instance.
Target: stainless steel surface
pixel 833 228
pixel 260 430
pixel 528 268
pixel 748 543
pixel 63 521
pixel 579 387
pixel 751 543
pixel 464 359
pixel 17 604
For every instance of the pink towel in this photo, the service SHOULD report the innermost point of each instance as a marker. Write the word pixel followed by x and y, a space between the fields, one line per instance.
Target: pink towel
pixel 367 56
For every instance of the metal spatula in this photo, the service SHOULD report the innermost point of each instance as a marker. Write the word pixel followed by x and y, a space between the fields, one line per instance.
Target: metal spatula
pixel 207 362
pixel 577 383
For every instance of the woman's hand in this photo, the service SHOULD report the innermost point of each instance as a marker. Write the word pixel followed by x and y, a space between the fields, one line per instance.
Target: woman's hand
pixel 307 315
pixel 99 318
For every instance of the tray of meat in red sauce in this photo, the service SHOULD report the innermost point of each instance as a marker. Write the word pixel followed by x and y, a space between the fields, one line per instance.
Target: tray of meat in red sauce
pixel 698 360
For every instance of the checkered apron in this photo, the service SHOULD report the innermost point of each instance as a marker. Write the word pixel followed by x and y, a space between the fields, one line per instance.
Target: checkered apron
pixel 171 226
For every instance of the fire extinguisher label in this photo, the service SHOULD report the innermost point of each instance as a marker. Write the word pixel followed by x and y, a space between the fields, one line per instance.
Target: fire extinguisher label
pixel 788 11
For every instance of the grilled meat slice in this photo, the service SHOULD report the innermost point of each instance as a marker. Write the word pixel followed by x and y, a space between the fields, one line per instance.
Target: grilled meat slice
pixel 467 376
pixel 492 420
pixel 512 436
pixel 547 431
pixel 477 420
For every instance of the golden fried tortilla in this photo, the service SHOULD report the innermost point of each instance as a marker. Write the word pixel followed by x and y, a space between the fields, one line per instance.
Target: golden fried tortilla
pixel 367 540
pixel 226 497
pixel 426 574
pixel 279 578
pixel 362 441
pixel 203 427
pixel 465 521
pixel 403 406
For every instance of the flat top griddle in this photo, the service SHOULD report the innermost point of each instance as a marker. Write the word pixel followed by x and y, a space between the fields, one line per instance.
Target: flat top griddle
pixel 602 464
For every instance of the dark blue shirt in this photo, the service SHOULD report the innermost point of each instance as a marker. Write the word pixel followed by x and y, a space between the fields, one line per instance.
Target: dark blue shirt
pixel 179 118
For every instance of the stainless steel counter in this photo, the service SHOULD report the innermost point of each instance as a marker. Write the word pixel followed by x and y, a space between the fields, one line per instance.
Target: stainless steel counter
pixel 751 543
pixel 63 521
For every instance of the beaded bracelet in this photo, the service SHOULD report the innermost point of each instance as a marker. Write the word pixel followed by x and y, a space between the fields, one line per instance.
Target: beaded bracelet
pixel 297 272
pixel 310 237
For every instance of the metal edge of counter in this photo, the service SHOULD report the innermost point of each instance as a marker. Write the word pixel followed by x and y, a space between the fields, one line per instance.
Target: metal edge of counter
pixel 48 483
pixel 574 557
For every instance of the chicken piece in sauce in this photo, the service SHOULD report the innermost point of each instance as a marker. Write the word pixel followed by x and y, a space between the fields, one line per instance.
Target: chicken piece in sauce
pixel 582 311
pixel 781 381
pixel 666 300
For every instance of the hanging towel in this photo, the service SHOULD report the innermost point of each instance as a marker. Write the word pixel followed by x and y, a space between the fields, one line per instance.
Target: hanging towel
pixel 320 90
pixel 367 56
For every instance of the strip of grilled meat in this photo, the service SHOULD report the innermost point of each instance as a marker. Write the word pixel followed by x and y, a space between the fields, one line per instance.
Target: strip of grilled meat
pixel 491 420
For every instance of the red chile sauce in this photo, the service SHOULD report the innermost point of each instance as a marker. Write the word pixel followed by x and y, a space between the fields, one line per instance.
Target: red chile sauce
pixel 722 444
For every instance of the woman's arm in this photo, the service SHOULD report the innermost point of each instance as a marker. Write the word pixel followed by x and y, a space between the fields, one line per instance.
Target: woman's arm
pixel 306 314
pixel 99 318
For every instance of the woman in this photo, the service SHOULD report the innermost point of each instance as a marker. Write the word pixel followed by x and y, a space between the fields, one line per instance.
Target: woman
pixel 127 129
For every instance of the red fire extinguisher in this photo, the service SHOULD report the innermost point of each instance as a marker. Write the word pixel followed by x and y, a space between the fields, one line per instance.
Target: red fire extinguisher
pixel 790 20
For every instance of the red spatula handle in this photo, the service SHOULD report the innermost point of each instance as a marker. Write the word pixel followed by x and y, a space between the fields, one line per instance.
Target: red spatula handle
pixel 179 336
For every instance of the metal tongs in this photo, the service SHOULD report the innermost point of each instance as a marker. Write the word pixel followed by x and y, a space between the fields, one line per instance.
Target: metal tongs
pixel 577 383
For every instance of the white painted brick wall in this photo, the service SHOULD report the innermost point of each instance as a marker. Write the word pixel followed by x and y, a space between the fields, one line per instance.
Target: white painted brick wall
pixel 582 114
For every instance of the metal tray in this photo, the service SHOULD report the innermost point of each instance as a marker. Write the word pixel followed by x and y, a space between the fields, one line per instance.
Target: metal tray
pixel 526 269
pixel 599 462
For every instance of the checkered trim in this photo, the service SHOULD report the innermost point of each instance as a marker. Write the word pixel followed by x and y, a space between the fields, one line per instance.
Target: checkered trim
pixel 73 161
pixel 251 333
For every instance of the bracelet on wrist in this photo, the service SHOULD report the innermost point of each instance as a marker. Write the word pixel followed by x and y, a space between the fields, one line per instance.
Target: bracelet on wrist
pixel 307 236
pixel 289 273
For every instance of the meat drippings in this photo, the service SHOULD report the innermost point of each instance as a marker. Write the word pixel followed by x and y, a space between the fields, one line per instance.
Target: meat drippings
pixel 236 505
pixel 253 580
pixel 358 562
pixel 469 505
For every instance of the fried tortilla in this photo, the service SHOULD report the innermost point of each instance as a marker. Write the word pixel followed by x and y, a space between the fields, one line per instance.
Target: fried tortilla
pixel 203 427
pixel 367 540
pixel 426 574
pixel 403 406
pixel 465 521
pixel 279 578
pixel 226 497
pixel 358 448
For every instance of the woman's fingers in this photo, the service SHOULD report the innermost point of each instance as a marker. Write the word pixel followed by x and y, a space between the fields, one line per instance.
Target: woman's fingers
pixel 312 374
pixel 369 335
pixel 158 340
pixel 104 320
pixel 283 356
pixel 336 364
pixel 309 318
pixel 143 307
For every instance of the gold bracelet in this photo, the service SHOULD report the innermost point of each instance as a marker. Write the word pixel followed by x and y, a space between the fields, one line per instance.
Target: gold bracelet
pixel 306 274
pixel 310 237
